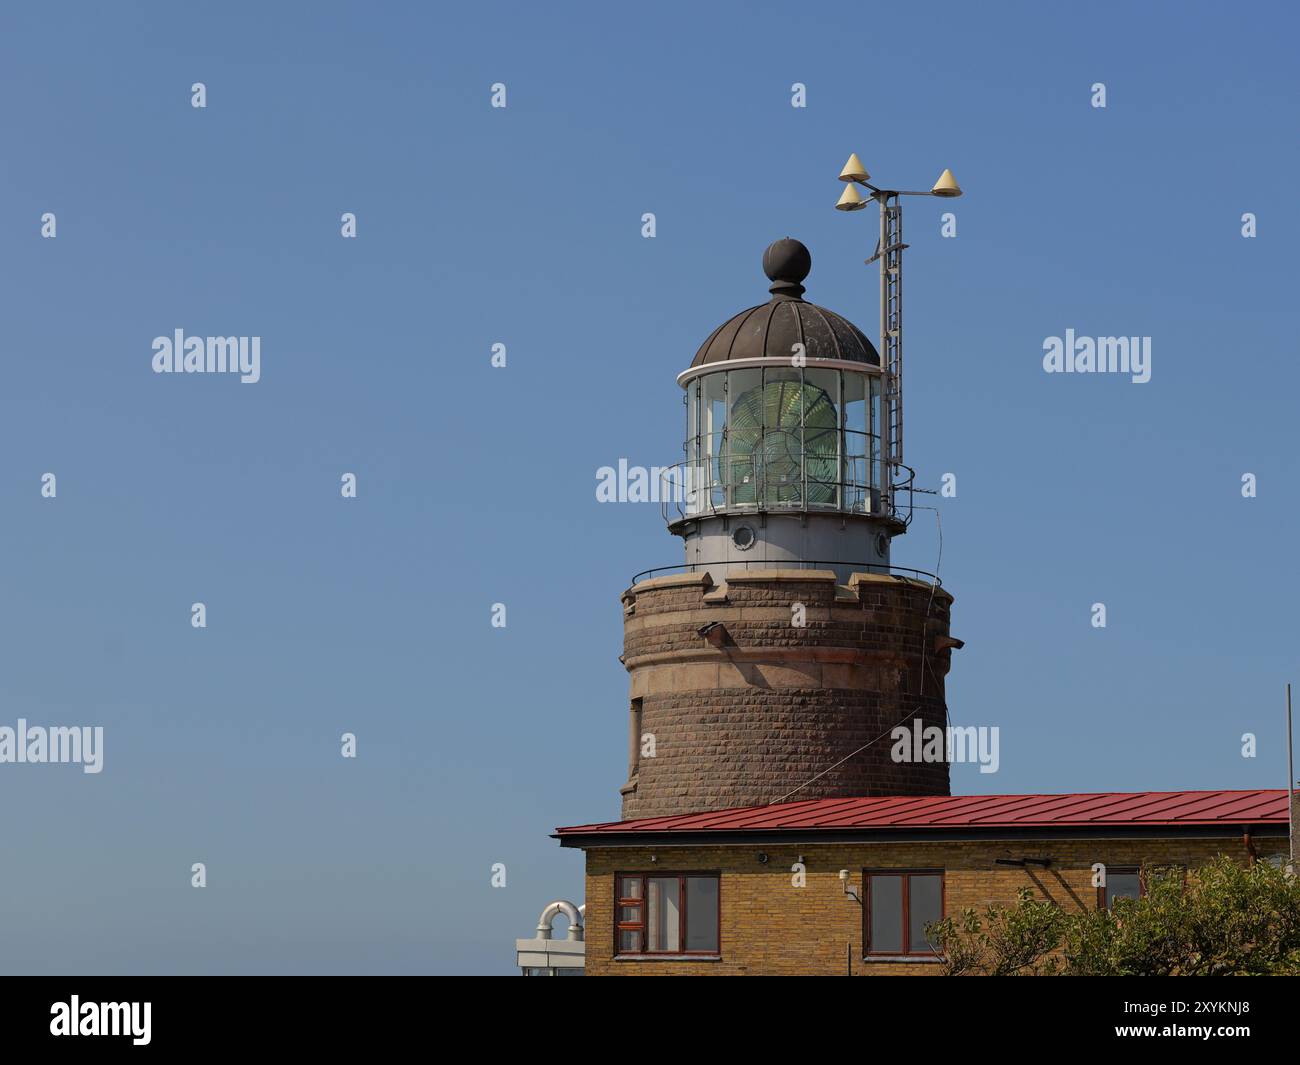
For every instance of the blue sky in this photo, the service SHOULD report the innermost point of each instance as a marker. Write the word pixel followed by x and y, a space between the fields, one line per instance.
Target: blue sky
pixel 476 485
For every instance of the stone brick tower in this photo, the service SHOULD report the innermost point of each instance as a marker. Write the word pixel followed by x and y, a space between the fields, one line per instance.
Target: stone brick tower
pixel 775 662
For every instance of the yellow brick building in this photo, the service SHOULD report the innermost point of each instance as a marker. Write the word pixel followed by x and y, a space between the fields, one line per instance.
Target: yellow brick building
pixel 761 891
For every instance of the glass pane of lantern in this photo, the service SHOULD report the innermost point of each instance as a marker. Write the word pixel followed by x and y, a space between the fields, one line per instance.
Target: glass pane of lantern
pixel 857 448
pixel 780 457
pixel 783 434
pixel 688 484
pixel 744 436
pixel 713 419
pixel 663 914
pixel 822 436
pixel 692 421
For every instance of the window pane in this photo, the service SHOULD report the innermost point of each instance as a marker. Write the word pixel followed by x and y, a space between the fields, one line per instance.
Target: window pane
pixel 887 914
pixel 663 914
pixel 629 914
pixel 924 906
pixel 629 941
pixel 629 887
pixel 701 913
pixel 1122 886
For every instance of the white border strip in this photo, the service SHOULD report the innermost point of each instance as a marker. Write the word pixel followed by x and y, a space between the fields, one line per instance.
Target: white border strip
pixel 744 364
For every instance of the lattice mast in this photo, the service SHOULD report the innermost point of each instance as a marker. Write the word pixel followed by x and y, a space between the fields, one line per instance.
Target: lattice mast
pixel 889 252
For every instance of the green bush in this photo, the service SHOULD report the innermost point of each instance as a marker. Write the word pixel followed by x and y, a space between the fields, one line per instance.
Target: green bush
pixel 1224 919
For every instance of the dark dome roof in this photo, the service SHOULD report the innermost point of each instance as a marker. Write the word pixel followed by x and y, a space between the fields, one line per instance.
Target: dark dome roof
pixel 771 329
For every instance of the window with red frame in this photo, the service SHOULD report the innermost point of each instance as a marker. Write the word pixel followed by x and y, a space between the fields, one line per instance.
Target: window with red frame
pixel 898 906
pixel 657 913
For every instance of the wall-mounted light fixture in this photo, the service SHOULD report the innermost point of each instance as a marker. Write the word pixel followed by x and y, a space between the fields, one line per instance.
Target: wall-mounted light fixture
pixel 848 887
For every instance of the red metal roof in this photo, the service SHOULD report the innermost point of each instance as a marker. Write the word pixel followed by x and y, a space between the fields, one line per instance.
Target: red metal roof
pixel 1084 810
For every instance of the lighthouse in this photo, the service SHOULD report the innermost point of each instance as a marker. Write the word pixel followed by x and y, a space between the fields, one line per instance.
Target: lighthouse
pixel 786 809
pixel 773 663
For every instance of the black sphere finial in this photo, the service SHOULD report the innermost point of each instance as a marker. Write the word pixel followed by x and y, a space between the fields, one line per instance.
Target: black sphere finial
pixel 787 262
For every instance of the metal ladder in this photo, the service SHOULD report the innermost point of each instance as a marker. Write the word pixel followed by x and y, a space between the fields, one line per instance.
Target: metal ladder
pixel 891 326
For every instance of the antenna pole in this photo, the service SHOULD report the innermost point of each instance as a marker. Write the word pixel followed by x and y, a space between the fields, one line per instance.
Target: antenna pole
pixel 889 250
pixel 1290 782
pixel 886 466
pixel 893 264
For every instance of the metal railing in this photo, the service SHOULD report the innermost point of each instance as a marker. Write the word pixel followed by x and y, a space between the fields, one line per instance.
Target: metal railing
pixel 692 489
pixel 900 572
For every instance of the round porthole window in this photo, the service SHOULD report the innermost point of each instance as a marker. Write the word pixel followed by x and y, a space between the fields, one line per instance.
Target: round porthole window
pixel 882 545
pixel 743 537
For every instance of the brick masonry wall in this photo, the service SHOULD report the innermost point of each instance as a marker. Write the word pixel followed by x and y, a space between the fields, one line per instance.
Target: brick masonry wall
pixel 775 705
pixel 770 928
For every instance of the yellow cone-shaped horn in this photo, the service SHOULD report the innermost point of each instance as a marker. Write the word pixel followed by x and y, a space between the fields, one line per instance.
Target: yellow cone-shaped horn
pixel 946 185
pixel 850 200
pixel 854 170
